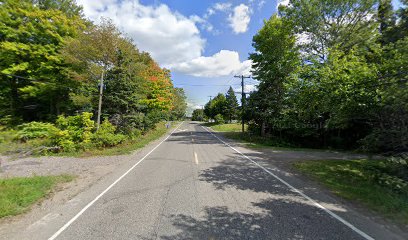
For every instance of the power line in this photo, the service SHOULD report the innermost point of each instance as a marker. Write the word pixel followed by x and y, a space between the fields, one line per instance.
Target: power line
pixel 25 78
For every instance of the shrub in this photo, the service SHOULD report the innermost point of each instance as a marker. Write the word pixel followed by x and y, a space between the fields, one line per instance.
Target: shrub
pixel 79 127
pixel 131 122
pixel 106 137
pixel 72 133
pixel 34 130
pixel 219 119
pixel 391 173
pixel 154 117
pixel 7 135
pixel 134 134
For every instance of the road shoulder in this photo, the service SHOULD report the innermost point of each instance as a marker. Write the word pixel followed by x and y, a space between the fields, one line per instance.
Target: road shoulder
pixel 280 162
pixel 91 173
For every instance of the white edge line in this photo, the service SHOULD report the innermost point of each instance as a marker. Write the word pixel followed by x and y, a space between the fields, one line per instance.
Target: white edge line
pixel 107 189
pixel 355 229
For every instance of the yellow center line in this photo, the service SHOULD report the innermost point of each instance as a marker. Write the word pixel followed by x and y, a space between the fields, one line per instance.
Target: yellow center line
pixel 196 158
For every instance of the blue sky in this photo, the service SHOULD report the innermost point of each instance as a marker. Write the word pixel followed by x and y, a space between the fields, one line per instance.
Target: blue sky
pixel 222 38
pixel 204 42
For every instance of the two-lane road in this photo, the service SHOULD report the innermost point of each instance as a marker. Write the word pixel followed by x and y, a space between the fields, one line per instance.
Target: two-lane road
pixel 194 186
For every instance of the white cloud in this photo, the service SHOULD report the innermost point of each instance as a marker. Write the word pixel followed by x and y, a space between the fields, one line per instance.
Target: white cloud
pixel 217 7
pixel 193 105
pixel 248 88
pixel 283 3
pixel 169 37
pixel 223 63
pixel 172 39
pixel 222 6
pixel 240 18
pixel 204 24
pixel 261 4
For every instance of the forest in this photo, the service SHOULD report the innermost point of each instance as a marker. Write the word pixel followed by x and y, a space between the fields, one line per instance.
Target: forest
pixel 56 65
pixel 332 74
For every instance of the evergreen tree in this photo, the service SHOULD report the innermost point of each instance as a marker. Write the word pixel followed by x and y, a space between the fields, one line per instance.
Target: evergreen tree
pixel 386 20
pixel 401 30
pixel 232 104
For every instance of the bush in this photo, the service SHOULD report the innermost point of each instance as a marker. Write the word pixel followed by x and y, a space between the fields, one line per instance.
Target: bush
pixel 134 134
pixel 6 135
pixel 131 122
pixel 106 137
pixel 154 117
pixel 79 127
pixel 72 133
pixel 219 119
pixel 34 130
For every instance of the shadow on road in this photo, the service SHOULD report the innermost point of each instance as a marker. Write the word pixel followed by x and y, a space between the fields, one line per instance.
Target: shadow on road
pixel 276 212
pixel 200 137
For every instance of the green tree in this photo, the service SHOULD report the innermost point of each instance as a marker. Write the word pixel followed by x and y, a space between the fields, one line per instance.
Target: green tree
pixel 208 110
pixel 179 104
pixel 217 105
pixel 232 104
pixel 198 115
pixel 275 59
pixel 220 105
pixel 137 92
pixel 350 87
pixel 387 20
pixel 401 28
pixel 390 118
pixel 101 49
pixel 68 7
pixel 30 41
pixel 321 25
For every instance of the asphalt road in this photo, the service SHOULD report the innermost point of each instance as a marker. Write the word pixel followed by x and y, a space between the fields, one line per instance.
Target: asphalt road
pixel 194 186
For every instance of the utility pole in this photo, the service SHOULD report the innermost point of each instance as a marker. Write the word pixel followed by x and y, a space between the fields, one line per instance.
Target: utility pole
pixel 98 123
pixel 209 119
pixel 242 100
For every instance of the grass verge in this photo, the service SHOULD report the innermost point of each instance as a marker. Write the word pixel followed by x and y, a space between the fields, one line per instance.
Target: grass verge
pixel 233 131
pixel 227 127
pixel 18 194
pixel 362 181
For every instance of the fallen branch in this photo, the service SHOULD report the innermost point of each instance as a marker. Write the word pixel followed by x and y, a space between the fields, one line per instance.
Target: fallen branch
pixel 39 150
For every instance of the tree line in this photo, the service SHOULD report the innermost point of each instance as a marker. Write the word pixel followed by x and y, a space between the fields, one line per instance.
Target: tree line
pixel 332 74
pixel 222 108
pixel 53 59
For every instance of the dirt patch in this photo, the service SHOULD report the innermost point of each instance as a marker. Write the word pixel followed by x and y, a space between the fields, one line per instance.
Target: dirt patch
pixel 28 167
pixel 87 171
